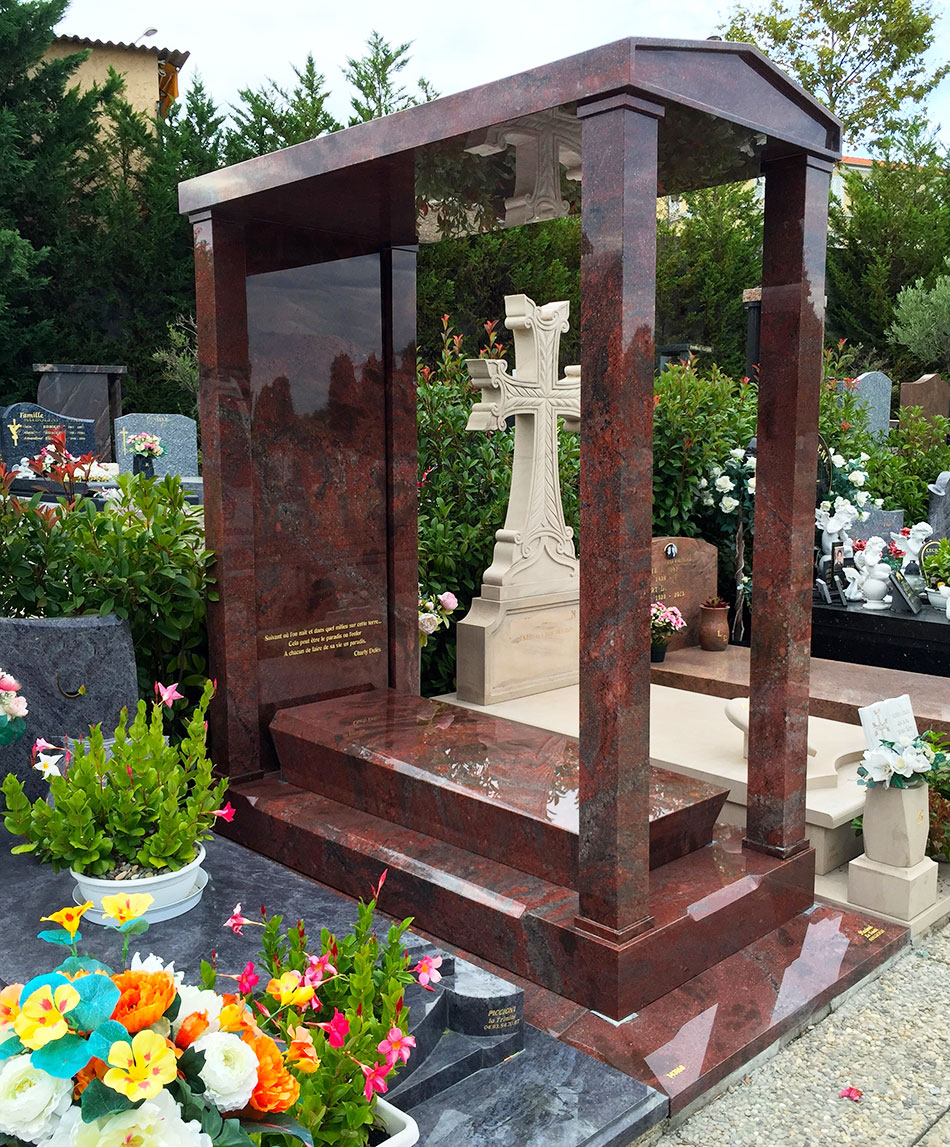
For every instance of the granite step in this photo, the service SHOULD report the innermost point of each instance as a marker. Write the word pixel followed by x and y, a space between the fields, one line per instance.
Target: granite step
pixel 705 905
pixel 504 790
pixel 454 1058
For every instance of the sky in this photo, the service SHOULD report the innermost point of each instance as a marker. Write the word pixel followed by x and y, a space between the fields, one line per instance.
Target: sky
pixel 454 45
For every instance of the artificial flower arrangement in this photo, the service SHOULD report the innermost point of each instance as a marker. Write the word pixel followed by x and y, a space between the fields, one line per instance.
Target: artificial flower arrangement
pixel 905 765
pixel 665 620
pixel 13 709
pixel 54 460
pixel 340 1012
pixel 149 804
pixel 730 487
pixel 434 611
pixel 146 445
pixel 94 1058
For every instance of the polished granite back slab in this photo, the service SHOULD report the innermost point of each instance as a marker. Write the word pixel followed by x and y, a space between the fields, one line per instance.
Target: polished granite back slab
pixel 549 1093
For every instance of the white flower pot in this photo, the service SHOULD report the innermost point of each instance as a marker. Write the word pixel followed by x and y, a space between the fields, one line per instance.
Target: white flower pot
pixel 173 893
pixel 402 1128
pixel 896 825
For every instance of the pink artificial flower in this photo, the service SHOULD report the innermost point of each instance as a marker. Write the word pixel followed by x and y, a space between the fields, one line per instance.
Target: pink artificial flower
pixel 16 707
pixel 167 694
pixel 852 1093
pixel 226 813
pixel 448 601
pixel 396 1046
pixel 236 921
pixel 426 969
pixel 317 968
pixel 375 1078
pixel 337 1029
pixel 41 746
pixel 248 979
pixel 8 684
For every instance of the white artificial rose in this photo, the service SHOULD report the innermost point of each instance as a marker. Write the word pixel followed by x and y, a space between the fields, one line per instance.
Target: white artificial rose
pixel 738 452
pixel 862 497
pixel 727 505
pixel 230 1069
pixel 862 457
pixel 915 760
pixel 879 502
pixel 750 484
pixel 880 764
pixel 857 477
pixel 428 623
pixel 725 484
pixel 715 471
pixel 151 963
pixel 826 506
pixel 750 462
pixel 708 500
pixel 838 459
pixel 197 1000
pixel 157 1123
pixel 31 1101
pixel 703 483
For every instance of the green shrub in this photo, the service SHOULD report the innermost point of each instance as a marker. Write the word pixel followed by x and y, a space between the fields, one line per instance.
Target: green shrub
pixel 922 322
pixel 142 557
pixel 913 453
pixel 696 422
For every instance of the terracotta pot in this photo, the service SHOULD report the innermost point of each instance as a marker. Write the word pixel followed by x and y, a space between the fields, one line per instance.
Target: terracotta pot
pixel 657 652
pixel 896 825
pixel 713 628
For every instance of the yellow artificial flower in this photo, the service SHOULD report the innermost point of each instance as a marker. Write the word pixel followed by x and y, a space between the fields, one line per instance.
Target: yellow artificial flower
pixel 9 1007
pixel 301 1052
pixel 69 918
pixel 141 1069
pixel 41 1019
pixel 125 906
pixel 289 990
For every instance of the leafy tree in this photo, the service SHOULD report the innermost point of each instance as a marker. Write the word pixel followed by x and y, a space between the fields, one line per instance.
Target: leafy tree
pixel 374 77
pixel 863 59
pixel 270 118
pixel 706 257
pixel 922 322
pixel 891 228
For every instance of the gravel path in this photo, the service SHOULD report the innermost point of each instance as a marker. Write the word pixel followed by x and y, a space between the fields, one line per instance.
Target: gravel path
pixel 891 1039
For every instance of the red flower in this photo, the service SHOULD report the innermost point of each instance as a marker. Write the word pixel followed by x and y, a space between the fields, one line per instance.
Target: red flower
pixel 845 425
pixel 852 1093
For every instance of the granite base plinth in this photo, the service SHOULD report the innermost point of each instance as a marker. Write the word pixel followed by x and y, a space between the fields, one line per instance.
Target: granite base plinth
pixel 706 905
pixel 497 788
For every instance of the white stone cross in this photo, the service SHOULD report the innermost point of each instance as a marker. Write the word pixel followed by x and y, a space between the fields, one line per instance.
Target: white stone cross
pixel 534 552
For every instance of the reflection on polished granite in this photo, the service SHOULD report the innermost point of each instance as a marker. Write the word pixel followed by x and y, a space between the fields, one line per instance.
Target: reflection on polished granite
pixel 546 1094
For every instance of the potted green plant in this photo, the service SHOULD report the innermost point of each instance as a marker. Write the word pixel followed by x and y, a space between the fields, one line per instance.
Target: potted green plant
pixel 935 566
pixel 714 624
pixel 134 812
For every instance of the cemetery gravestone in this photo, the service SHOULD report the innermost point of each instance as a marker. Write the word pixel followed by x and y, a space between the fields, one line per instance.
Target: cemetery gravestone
pixel 878 524
pixel 938 514
pixel 84 392
pixel 874 390
pixel 179 437
pixel 684 575
pixel 929 392
pixel 25 429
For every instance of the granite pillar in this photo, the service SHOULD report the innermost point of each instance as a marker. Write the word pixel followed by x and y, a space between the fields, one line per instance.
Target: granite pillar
pixel 793 291
pixel 229 486
pixel 618 256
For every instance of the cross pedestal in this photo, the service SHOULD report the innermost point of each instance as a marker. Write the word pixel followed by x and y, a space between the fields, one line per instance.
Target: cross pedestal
pixel 520 636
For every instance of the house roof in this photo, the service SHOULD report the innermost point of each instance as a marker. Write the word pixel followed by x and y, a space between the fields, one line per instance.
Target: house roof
pixel 175 58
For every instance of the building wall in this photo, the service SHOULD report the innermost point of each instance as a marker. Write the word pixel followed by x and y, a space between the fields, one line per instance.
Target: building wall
pixel 139 66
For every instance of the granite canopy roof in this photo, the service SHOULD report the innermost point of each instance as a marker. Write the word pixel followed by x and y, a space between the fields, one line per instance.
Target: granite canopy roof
pixel 725 110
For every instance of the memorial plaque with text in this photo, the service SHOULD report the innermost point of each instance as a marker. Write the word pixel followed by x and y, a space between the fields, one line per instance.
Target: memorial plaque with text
pixel 25 428
pixel 684 575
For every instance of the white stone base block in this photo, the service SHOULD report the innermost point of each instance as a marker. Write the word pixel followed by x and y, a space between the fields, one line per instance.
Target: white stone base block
pixel 901 893
pixel 517 647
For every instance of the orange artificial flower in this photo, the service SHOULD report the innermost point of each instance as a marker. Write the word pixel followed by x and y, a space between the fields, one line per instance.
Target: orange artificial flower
pixel 94 1069
pixel 276 1089
pixel 192 1027
pixel 145 998
pixel 301 1051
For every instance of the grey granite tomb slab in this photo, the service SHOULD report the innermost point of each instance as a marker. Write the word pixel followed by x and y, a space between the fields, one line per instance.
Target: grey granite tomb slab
pixel 548 1095
pixel 179 435
pixel 874 392
pixel 54 659
pixel 83 392
pixel 25 428
pixel 938 514
pixel 880 524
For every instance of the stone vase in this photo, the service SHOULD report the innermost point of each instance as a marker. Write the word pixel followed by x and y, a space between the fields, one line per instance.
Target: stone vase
pixel 896 825
pixel 713 628
pixel 143 464
pixel 658 652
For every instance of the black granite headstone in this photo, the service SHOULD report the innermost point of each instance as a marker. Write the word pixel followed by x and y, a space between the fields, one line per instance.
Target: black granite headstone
pixel 25 428
pixel 83 391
